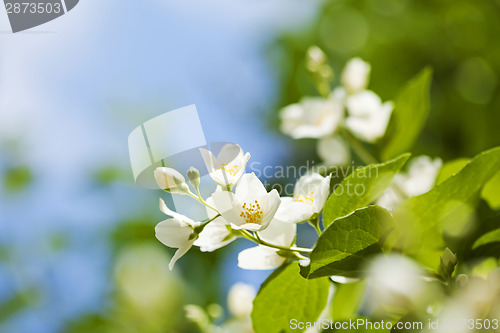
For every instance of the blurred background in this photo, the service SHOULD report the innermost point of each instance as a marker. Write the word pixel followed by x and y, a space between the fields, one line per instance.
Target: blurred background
pixel 77 245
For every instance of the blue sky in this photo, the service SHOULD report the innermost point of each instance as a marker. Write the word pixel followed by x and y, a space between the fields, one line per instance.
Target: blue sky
pixel 70 93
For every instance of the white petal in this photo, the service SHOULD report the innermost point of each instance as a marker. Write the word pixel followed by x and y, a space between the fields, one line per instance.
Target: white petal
pixel 239 300
pixel 279 233
pixel 291 211
pixel 390 199
pixel 230 153
pixel 355 75
pixel 333 150
pixel 259 258
pixel 422 175
pixel 173 233
pixel 314 117
pixel 363 104
pixel 180 252
pixel 313 189
pixel 368 117
pixel 250 187
pixel 270 204
pixel 167 211
pixel 229 207
pixel 323 191
pixel 209 159
pixel 168 179
pixel 213 235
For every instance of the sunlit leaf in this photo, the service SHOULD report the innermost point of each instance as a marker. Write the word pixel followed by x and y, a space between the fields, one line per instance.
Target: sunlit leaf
pixel 361 188
pixel 343 248
pixel 409 116
pixel 284 296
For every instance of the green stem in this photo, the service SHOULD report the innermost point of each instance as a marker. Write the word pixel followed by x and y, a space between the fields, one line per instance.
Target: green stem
pixel 249 236
pixel 360 149
pixel 202 226
pixel 368 157
pixel 315 224
pixel 199 198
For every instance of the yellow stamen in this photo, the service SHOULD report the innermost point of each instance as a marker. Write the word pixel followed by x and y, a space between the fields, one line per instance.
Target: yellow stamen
pixel 308 199
pixel 232 170
pixel 251 212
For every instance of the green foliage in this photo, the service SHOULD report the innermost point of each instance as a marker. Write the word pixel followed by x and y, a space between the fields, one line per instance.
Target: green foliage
pixel 373 179
pixel 346 300
pixel 409 116
pixel 451 168
pixel 286 295
pixel 420 220
pixel 345 245
pixel 17 178
pixel 490 237
pixel 447 264
pixel 491 192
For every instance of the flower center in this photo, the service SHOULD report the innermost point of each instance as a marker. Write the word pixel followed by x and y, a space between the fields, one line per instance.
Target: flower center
pixel 308 199
pixel 251 212
pixel 232 170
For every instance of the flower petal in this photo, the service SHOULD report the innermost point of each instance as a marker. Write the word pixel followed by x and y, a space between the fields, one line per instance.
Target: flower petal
pixel 259 258
pixel 291 211
pixel 250 187
pixel 173 233
pixel 180 252
pixel 333 150
pixel 213 235
pixel 270 204
pixel 279 233
pixel 167 211
pixel 229 207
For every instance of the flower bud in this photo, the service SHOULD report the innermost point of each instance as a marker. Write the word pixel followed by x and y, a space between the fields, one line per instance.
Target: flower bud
pixel 240 298
pixel 193 176
pixel 170 180
pixel 448 262
pixel 315 59
pixel 356 75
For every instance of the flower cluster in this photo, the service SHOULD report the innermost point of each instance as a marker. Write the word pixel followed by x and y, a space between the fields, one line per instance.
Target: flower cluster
pixel 348 110
pixel 240 207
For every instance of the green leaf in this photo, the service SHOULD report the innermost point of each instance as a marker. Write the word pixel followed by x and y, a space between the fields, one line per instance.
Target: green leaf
pixel 421 219
pixel 451 168
pixel 409 116
pixel 490 237
pixel 344 246
pixel 285 296
pixel 361 188
pixel 491 192
pixel 447 265
pixel 346 300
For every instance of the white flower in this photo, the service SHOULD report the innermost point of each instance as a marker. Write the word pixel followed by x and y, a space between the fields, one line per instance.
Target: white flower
pixel 170 180
pixel 333 150
pixel 313 117
pixel 309 196
pixel 216 234
pixel 421 176
pixel 250 207
pixel 240 298
pixel 394 280
pixel 368 117
pixel 176 232
pixel 356 75
pixel 229 165
pixel 263 257
pixel 419 179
